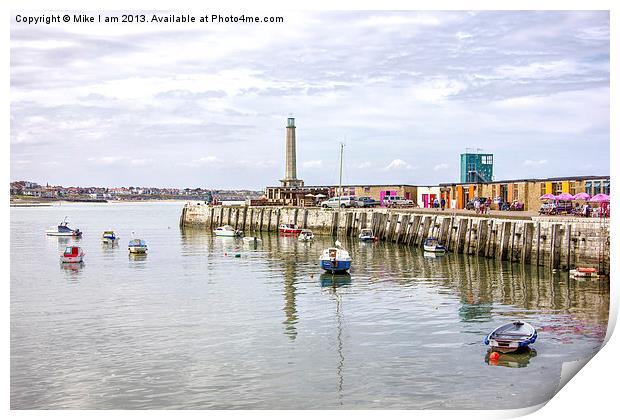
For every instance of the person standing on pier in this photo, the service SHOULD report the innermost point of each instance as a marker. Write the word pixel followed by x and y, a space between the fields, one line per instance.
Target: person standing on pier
pixel 443 204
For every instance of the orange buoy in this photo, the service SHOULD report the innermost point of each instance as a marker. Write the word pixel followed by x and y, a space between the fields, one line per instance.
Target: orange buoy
pixel 494 356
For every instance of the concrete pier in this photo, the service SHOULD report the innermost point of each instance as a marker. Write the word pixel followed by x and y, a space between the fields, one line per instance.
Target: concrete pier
pixel 552 242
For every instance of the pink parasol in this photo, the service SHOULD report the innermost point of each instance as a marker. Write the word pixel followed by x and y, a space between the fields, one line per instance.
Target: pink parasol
pixel 582 196
pixel 547 197
pixel 600 198
pixel 565 196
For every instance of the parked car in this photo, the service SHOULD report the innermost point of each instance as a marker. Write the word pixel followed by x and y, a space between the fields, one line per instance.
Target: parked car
pixel 334 202
pixel 365 202
pixel 393 201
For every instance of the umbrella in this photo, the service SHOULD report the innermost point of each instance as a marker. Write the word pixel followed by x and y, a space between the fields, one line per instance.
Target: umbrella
pixel 582 196
pixel 600 198
pixel 565 197
pixel 547 197
pixel 309 195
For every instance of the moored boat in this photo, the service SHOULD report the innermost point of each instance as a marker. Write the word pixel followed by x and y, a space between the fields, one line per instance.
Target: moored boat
pixel 72 254
pixel 433 245
pixel 511 337
pixel 335 260
pixel 109 237
pixel 137 246
pixel 63 229
pixel 289 229
pixel 252 240
pixel 227 230
pixel 367 235
pixel 305 235
pixel 587 272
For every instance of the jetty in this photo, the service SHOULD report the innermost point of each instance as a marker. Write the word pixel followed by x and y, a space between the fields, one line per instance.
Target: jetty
pixel 559 243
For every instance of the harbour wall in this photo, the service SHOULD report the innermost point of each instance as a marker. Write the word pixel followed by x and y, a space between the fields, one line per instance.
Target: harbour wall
pixel 553 242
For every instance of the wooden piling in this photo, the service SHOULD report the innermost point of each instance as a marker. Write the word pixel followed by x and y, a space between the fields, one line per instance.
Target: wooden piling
pixel 526 247
pixel 556 243
pixel 481 237
pixel 461 235
pixel 504 240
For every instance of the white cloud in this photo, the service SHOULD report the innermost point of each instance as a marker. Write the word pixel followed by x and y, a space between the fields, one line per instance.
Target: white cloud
pixel 463 35
pixel 441 166
pixel 364 165
pixel 530 162
pixel 398 164
pixel 312 164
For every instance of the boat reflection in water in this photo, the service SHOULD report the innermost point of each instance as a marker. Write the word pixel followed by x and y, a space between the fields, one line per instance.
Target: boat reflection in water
pixel 335 280
pixel 137 257
pixel 518 359
pixel 73 266
pixel 433 255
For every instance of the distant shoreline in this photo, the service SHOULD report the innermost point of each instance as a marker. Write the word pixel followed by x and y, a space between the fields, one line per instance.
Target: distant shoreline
pixel 50 203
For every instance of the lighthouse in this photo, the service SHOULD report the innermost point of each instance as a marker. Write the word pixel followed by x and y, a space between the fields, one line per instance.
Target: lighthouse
pixel 290 153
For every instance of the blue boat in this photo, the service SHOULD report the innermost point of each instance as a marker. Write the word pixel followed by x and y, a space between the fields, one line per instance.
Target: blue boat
pixel 137 246
pixel 63 229
pixel 335 260
pixel 507 338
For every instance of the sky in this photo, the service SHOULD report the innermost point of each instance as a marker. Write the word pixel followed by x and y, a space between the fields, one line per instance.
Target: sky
pixel 205 105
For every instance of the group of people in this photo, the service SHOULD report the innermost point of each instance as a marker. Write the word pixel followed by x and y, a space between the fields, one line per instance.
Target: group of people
pixel 439 204
pixel 481 206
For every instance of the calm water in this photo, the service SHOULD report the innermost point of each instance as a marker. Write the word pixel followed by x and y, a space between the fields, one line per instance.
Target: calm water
pixel 192 326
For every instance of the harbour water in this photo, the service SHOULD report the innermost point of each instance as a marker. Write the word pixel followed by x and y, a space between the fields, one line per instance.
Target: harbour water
pixel 193 326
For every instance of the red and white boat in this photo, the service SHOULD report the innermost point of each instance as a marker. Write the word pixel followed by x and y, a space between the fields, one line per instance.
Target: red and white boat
pixel 289 229
pixel 589 272
pixel 72 254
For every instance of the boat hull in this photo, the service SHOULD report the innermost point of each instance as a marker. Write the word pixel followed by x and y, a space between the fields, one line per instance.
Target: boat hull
pixel 227 234
pixel 511 337
pixel 137 250
pixel 335 266
pixel 434 248
pixel 367 238
pixel 70 260
pixel 56 233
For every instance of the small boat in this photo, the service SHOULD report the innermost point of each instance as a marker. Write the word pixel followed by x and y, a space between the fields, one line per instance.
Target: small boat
pixel 587 272
pixel 63 229
pixel 306 235
pixel 72 254
pixel 137 246
pixel 252 240
pixel 367 235
pixel 109 237
pixel 289 229
pixel 433 245
pixel 227 230
pixel 511 337
pixel 335 260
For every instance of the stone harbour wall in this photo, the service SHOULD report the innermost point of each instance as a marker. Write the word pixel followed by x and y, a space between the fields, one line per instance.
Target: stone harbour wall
pixel 554 242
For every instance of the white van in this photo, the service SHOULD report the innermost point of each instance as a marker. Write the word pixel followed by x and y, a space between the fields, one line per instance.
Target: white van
pixel 334 202
pixel 392 201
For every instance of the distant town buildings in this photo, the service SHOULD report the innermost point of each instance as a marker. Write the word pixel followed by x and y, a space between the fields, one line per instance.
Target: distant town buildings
pixel 29 189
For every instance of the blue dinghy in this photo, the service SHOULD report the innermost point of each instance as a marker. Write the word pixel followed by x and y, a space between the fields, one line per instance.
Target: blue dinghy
pixel 511 337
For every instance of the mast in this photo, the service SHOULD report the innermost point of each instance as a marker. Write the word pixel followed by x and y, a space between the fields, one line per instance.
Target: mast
pixel 340 178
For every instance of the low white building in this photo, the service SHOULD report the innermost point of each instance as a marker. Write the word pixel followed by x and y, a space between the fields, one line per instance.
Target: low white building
pixel 427 194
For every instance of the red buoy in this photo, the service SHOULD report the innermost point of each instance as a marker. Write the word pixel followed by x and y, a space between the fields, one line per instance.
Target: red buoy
pixel 494 356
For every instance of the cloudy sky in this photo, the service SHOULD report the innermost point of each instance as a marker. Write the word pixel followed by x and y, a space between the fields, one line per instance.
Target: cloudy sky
pixel 407 92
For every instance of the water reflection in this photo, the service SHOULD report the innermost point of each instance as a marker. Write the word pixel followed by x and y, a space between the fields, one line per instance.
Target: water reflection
pixel 290 308
pixel 334 280
pixel 511 360
pixel 72 270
